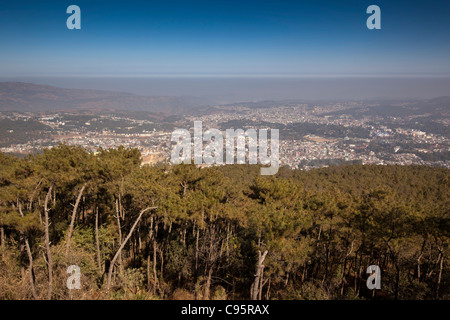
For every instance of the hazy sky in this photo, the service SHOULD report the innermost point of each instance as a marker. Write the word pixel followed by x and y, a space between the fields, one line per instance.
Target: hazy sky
pixel 277 49
pixel 224 37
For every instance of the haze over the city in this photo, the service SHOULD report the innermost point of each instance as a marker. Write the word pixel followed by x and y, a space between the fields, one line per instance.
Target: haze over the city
pixel 221 89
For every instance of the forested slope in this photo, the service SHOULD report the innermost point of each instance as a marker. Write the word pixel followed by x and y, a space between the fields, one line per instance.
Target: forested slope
pixel 181 232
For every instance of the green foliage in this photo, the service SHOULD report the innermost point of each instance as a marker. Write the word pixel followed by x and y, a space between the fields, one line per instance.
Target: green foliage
pixel 321 228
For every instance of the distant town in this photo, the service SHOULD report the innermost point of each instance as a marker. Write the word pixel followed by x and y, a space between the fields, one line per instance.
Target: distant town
pixel 311 135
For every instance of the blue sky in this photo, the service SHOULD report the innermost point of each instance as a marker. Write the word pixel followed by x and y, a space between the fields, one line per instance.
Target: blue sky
pixel 314 37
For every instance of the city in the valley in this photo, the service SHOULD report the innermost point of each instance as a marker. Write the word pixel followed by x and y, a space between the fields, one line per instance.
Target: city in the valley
pixel 312 134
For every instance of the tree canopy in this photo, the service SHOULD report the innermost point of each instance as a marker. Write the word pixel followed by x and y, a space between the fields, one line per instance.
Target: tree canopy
pixel 185 232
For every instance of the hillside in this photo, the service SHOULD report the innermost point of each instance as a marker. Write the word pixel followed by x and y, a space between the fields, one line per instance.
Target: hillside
pixel 20 96
pixel 190 233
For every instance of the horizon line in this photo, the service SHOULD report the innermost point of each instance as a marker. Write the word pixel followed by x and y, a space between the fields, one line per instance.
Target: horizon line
pixel 229 75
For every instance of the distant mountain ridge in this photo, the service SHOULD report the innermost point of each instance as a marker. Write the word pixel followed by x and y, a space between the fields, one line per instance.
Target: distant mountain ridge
pixel 21 96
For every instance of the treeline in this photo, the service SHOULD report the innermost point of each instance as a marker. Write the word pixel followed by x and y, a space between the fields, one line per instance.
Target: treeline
pixel 183 232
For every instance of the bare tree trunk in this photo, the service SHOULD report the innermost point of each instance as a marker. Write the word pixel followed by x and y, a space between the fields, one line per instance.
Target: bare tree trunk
pixel 111 266
pixel 22 249
pixel 148 272
pixel 161 273
pixel 262 283
pixel 261 286
pixel 2 237
pixel 152 236
pixel 122 211
pixel 441 266
pixel 97 241
pixel 139 242
pixel 196 248
pixel 418 265
pixel 30 267
pixel 47 243
pixel 54 197
pixel 184 236
pixel 397 268
pixel 119 228
pixel 259 273
pixel 267 297
pixel 72 221
pixel 30 205
pixel 196 241
pixel 418 259
pixel 327 252
pixel 344 281
pixel 208 284
pixel 155 275
pixel 30 259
